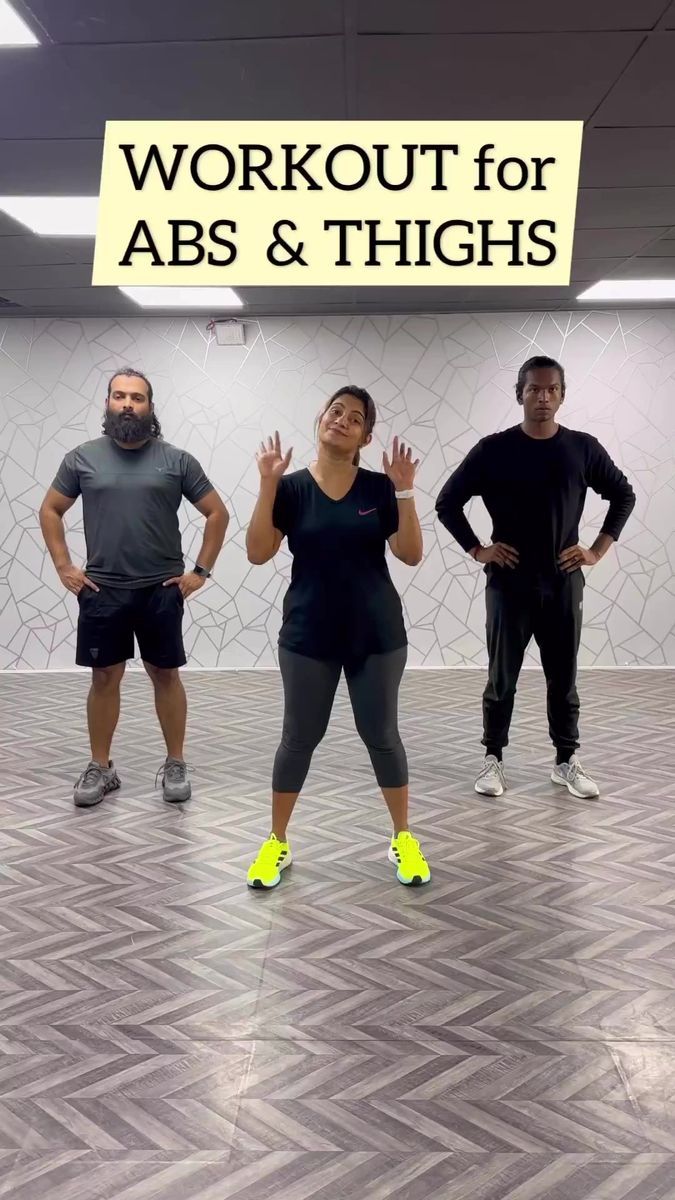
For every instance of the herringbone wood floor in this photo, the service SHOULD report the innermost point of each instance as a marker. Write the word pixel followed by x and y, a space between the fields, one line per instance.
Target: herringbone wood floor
pixel 506 1034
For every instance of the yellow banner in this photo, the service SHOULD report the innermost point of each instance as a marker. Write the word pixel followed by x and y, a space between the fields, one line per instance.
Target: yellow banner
pixel 326 203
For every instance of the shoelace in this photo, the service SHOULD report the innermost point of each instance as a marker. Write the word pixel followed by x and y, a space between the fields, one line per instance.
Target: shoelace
pixel 576 771
pixel 411 845
pixel 269 853
pixel 91 774
pixel 491 768
pixel 174 772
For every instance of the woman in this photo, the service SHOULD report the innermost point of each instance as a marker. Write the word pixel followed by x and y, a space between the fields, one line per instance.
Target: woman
pixel 341 611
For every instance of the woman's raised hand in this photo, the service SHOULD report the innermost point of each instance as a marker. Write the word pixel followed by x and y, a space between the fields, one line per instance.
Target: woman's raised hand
pixel 271 460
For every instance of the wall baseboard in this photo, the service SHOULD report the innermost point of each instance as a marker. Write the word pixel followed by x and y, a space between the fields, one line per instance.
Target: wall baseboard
pixel 273 670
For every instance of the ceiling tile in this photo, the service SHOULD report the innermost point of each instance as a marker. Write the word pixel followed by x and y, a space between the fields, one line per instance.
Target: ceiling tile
pixel 45 275
pixel 76 301
pixel 496 16
pixel 603 208
pixel 664 248
pixel 587 269
pixel 50 166
pixel 494 76
pixel 642 268
pixel 8 226
pixel 179 21
pixel 628 158
pixel 613 243
pixel 26 250
pixel 645 93
pixel 76 89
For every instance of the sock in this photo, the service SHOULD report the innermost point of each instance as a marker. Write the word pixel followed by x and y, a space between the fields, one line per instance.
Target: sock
pixel 562 756
pixel 494 751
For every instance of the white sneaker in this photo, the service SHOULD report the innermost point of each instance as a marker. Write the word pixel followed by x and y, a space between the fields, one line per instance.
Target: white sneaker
pixel 572 776
pixel 490 781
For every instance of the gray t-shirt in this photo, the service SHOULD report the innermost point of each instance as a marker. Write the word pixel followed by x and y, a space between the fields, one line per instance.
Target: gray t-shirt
pixel 130 502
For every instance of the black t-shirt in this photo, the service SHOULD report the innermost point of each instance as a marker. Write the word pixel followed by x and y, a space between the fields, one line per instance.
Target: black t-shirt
pixel 341 603
pixel 534 490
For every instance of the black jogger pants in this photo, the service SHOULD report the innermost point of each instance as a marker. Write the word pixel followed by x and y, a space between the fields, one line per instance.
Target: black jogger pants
pixel 552 614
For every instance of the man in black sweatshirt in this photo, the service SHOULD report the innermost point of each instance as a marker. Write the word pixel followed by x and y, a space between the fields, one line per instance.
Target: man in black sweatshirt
pixel 533 480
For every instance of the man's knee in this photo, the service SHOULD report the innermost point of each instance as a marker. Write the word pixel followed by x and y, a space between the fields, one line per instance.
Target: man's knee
pixel 107 678
pixel 162 677
pixel 563 689
pixel 500 693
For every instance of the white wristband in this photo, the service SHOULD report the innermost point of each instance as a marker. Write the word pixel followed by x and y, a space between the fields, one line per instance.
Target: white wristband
pixel 410 495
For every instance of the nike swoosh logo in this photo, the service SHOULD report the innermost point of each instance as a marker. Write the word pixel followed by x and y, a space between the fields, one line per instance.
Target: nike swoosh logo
pixel 365 512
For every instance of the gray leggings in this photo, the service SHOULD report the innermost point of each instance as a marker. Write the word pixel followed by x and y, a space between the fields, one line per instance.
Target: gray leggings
pixel 310 685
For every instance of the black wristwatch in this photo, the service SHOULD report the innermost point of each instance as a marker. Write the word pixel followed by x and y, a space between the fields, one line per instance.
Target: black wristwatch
pixel 197 570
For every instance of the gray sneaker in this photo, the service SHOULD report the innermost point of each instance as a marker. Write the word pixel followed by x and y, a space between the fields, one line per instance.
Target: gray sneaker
pixel 491 781
pixel 94 783
pixel 176 787
pixel 572 776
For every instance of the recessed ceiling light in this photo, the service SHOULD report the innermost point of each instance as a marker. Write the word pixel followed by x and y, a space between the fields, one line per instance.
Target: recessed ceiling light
pixel 183 297
pixel 13 30
pixel 54 216
pixel 630 289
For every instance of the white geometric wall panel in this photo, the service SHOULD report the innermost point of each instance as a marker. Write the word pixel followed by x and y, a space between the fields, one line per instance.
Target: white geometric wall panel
pixel 439 382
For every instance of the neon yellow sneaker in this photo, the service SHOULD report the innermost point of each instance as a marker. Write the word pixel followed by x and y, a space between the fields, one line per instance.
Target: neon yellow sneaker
pixel 413 868
pixel 273 858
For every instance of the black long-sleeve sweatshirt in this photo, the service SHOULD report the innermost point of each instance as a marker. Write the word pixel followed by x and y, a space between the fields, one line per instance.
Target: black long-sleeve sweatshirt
pixel 534 490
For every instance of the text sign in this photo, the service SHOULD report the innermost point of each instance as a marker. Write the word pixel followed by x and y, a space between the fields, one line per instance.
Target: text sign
pixel 324 203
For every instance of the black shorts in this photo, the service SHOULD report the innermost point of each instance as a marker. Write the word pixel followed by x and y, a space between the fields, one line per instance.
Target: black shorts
pixel 111 618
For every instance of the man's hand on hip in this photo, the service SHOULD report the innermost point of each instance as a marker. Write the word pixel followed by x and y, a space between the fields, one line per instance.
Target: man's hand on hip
pixel 499 553
pixel 186 584
pixel 75 579
pixel 577 556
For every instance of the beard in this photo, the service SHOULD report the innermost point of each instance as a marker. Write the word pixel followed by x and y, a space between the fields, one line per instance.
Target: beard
pixel 127 427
